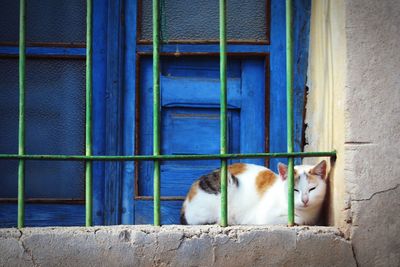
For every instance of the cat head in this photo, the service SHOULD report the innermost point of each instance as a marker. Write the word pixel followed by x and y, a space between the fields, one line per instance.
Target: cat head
pixel 310 184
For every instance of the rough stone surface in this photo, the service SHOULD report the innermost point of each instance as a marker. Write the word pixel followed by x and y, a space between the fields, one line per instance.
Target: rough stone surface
pixel 175 246
pixel 372 135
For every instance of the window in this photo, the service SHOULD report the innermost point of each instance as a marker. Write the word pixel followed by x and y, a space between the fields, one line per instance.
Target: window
pixel 55 110
pixel 122 107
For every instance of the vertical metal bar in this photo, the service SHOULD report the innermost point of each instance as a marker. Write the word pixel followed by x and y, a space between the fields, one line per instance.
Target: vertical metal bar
pixel 289 109
pixel 156 110
pixel 223 64
pixel 88 150
pixel 21 123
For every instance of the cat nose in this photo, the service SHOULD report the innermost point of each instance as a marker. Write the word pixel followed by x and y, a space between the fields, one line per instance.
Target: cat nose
pixel 304 199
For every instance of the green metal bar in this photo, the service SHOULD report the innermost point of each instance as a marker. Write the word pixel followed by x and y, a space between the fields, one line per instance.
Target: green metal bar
pixel 156 110
pixel 223 64
pixel 168 157
pixel 21 123
pixel 88 164
pixel 289 109
pixel 224 193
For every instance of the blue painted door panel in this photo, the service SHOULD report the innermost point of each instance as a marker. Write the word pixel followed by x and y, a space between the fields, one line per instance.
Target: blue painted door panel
pixel 191 131
pixel 196 130
pixel 169 210
pixel 190 91
pixel 197 92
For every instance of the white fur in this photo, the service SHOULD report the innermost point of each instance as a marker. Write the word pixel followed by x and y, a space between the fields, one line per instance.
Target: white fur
pixel 246 206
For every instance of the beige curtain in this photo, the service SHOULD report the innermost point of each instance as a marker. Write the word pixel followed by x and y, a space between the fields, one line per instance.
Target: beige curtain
pixel 324 110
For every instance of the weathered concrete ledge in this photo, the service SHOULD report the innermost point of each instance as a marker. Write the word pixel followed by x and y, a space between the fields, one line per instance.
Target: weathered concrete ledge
pixel 175 246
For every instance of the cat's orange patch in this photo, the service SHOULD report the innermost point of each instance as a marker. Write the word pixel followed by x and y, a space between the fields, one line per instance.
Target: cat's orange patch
pixel 264 180
pixel 237 168
pixel 311 178
pixel 193 191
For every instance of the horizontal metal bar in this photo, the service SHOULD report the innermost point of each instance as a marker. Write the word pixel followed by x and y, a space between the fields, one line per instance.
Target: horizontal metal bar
pixel 204 48
pixel 169 157
pixel 44 51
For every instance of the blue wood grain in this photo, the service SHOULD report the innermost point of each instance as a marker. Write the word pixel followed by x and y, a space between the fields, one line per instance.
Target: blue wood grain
pixel 128 185
pixel 176 178
pixel 301 22
pixel 206 67
pixel 114 109
pixel 191 92
pixel 301 32
pixel 206 48
pixel 277 132
pixel 44 215
pixel 44 51
pixel 145 90
pixel 252 114
pixel 189 130
pixel 170 211
pixel 100 12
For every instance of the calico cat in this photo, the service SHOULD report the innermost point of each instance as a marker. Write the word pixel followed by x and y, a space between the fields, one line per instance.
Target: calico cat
pixel 256 195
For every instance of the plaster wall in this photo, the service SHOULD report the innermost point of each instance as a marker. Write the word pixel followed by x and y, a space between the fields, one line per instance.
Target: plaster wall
pixel 354 107
pixel 372 123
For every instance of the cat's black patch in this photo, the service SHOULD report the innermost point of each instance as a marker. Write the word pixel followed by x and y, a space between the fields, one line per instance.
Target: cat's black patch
pixel 183 219
pixel 210 183
pixel 235 180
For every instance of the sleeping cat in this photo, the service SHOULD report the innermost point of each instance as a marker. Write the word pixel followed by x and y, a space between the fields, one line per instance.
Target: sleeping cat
pixel 256 195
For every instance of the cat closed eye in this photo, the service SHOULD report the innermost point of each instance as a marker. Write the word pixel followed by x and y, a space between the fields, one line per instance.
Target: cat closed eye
pixel 311 189
pixel 296 190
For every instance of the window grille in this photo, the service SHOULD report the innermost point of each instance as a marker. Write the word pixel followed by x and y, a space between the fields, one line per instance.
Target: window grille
pixel 88 158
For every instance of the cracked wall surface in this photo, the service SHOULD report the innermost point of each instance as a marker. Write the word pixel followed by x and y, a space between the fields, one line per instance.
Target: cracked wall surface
pixel 372 125
pixel 175 246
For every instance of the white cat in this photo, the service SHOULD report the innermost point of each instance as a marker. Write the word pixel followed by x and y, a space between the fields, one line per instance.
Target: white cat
pixel 256 195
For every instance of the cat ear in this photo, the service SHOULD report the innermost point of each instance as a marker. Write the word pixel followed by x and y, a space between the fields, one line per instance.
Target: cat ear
pixel 319 169
pixel 282 169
